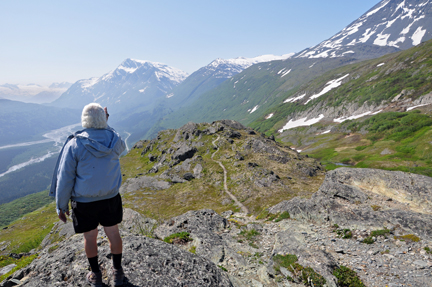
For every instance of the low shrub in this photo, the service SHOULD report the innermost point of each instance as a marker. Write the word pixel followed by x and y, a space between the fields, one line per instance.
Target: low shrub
pixel 347 277
pixel 282 216
pixel 408 238
pixel 178 238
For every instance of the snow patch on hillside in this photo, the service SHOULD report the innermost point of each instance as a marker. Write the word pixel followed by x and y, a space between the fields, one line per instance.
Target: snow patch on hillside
pixel 254 109
pixel 286 73
pixel 418 36
pixel 300 122
pixel 329 86
pixel 292 100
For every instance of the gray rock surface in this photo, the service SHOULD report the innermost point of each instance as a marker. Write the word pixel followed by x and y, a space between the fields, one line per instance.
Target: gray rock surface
pixel 347 198
pixel 142 182
pixel 146 261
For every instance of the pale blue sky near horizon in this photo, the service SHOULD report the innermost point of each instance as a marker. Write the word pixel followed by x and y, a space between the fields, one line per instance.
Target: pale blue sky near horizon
pixel 54 41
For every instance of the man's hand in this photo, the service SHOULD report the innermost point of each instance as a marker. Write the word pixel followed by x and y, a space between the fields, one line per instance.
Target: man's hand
pixel 62 216
pixel 106 112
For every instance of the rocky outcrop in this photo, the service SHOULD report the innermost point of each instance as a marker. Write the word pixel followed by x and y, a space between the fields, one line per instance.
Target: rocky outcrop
pixel 142 182
pixel 146 261
pixel 368 199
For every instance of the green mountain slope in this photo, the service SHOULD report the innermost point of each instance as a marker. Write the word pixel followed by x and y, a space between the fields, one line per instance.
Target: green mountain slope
pixel 263 85
pixel 392 82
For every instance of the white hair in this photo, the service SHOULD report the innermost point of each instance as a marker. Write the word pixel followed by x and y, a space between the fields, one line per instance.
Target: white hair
pixel 93 116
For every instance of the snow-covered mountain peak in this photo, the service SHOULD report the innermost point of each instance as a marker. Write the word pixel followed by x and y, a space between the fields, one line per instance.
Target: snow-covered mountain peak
pixel 243 63
pixel 398 24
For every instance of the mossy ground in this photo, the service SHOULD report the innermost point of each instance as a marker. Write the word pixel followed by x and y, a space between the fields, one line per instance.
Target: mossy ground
pixel 386 145
pixel 28 232
pixel 208 190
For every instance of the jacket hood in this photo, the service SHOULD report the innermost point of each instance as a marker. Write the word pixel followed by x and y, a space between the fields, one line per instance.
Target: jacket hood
pixel 99 142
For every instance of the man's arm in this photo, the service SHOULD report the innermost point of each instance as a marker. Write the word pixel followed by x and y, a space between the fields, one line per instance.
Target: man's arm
pixel 65 180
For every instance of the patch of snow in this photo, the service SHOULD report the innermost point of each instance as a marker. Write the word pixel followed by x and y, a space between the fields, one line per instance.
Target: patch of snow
pixel 411 108
pixel 366 35
pixel 127 69
pixel 312 65
pixel 342 119
pixel 377 9
pixel 269 116
pixel 381 39
pixel 326 132
pixel 88 83
pixel 281 71
pixel 418 36
pixel 286 73
pixel 299 150
pixel 142 90
pixel 329 86
pixel 169 95
pixel 300 122
pixel 382 64
pixel 294 99
pixel 254 109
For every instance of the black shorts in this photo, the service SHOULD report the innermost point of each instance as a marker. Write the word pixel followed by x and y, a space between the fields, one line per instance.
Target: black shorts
pixel 86 216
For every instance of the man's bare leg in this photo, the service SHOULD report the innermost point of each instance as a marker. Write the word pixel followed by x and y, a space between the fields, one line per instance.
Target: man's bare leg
pixel 90 243
pixel 114 238
pixel 90 247
pixel 116 246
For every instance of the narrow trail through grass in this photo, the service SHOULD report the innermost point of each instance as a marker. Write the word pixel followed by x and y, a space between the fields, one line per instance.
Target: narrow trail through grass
pixel 238 203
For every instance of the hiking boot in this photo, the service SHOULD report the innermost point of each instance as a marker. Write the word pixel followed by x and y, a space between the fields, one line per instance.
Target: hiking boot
pixel 94 279
pixel 118 276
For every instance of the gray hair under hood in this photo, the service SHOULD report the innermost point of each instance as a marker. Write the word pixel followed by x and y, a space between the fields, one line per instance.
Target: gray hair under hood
pixel 93 116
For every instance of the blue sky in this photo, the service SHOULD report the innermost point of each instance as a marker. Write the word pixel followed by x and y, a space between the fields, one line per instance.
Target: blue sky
pixel 53 41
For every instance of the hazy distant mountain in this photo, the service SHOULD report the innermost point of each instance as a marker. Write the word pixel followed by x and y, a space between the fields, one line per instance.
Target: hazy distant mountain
pixel 33 93
pixel 20 122
pixel 133 85
pixel 388 26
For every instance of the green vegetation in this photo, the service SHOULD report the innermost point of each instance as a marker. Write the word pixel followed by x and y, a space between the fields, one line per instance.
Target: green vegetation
pixel 223 268
pixel 344 233
pixel 305 274
pixel 282 216
pixel 192 249
pixel 408 238
pixel 347 277
pixel 19 207
pixel 428 250
pixel 375 207
pixel 375 233
pixel 28 232
pixel 395 141
pixel 178 238
pixel 380 232
pixel 249 234
pixel 21 263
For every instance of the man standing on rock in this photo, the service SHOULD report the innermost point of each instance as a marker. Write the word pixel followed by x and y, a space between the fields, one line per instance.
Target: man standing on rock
pixel 88 173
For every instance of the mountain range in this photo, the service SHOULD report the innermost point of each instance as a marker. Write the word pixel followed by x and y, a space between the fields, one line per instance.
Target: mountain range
pixel 270 93
pixel 33 93
pixel 245 89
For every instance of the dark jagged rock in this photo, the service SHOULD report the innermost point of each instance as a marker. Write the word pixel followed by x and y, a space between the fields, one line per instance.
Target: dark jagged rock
pixel 232 134
pixel 188 176
pixel 152 157
pixel 233 124
pixel 183 153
